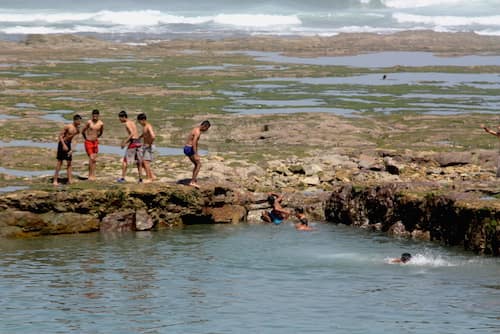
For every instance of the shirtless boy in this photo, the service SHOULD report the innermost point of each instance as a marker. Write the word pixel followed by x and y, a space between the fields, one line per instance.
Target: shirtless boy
pixel 133 143
pixel 277 214
pixel 92 130
pixel 303 224
pixel 64 151
pixel 148 137
pixel 191 150
pixel 405 258
pixel 496 134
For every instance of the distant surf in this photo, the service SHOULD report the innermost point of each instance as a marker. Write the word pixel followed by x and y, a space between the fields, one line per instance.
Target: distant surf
pixel 170 19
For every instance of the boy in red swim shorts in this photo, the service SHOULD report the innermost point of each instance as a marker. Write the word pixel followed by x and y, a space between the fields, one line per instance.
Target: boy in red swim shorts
pixel 91 132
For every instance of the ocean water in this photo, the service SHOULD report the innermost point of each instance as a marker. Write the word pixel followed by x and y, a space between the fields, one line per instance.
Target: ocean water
pixel 163 19
pixel 244 279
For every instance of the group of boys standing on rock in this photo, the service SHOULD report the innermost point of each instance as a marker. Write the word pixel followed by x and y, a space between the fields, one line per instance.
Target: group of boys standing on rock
pixel 139 147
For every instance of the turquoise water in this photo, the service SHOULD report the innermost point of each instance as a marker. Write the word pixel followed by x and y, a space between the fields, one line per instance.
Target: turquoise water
pixel 244 279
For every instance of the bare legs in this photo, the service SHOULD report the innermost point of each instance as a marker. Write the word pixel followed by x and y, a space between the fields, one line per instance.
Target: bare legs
pixel 195 159
pixel 498 167
pixel 265 217
pixel 124 169
pixel 146 164
pixel 69 172
pixel 92 166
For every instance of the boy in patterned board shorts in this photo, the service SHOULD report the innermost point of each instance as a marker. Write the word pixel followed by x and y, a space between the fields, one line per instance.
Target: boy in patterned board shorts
pixel 148 137
pixel 133 143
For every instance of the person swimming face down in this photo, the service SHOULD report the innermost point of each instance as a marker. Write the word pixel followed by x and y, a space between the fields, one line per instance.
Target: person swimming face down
pixel 405 257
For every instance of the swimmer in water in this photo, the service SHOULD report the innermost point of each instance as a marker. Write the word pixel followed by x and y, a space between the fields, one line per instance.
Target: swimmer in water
pixel 405 258
pixel 303 224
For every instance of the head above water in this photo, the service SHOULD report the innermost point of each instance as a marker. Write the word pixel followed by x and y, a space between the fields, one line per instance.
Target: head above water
pixel 141 117
pixel 405 257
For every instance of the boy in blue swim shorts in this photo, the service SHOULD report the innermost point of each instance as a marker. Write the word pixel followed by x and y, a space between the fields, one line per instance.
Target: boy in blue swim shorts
pixel 191 150
pixel 277 214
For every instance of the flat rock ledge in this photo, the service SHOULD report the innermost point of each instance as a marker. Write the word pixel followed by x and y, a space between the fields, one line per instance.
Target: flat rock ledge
pixel 418 211
pixel 135 208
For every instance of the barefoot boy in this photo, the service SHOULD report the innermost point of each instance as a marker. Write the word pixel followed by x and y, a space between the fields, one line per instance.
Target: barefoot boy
pixel 191 150
pixel 148 137
pixel 133 143
pixel 92 130
pixel 496 134
pixel 64 151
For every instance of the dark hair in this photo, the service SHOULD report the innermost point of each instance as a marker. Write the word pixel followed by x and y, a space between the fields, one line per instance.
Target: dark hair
pixel 77 117
pixel 141 117
pixel 123 114
pixel 300 209
pixel 405 257
pixel 205 124
pixel 271 199
pixel 95 112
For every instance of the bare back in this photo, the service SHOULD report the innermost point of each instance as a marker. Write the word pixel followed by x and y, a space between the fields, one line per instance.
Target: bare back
pixel 132 130
pixel 148 134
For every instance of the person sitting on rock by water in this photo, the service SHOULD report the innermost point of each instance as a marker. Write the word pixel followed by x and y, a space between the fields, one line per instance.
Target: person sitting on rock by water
pixel 496 134
pixel 64 150
pixel 303 224
pixel 277 214
pixel 405 258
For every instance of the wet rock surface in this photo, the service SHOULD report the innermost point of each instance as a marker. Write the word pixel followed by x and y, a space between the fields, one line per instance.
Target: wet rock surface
pixel 421 212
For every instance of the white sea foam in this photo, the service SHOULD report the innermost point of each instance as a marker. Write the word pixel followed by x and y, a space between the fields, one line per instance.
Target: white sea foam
pixel 133 18
pixel 421 3
pixel 7 16
pixel 259 20
pixel 488 32
pixel 25 30
pixel 430 260
pixel 35 30
pixel 483 17
pixel 146 18
pixel 446 21
pixel 150 18
pixel 368 29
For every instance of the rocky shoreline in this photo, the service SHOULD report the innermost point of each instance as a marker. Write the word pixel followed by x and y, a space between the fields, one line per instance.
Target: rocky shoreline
pixel 417 175
pixel 401 210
